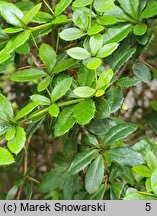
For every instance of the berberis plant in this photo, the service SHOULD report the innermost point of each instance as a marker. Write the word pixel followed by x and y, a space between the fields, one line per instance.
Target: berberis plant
pixel 78 80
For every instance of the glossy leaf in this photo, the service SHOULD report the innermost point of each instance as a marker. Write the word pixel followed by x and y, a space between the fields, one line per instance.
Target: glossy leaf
pixel 102 108
pixel 151 160
pixel 94 175
pixel 65 122
pixel 95 43
pixel 64 65
pixel 103 6
pixel 6 110
pixel 95 29
pixel 130 7
pixel 84 111
pixel 53 110
pixel 94 63
pixel 142 72
pixel 107 50
pixel 27 75
pixel 31 14
pixel 42 100
pixel 127 82
pixel 154 181
pixel 61 6
pixel 84 92
pixel 48 56
pixel 140 29
pixel 119 132
pixel 125 156
pixel 78 53
pixel 142 170
pixel 6 158
pixel 81 19
pixel 61 89
pixel 81 3
pixel 150 11
pixel 15 145
pixel 71 34
pixel 104 79
pixel 81 161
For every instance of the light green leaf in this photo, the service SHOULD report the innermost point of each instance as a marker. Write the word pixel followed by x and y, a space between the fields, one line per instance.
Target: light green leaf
pixel 95 29
pixel 82 3
pixel 15 145
pixel 8 12
pixel 135 195
pixel 150 11
pixel 107 50
pixel 5 157
pixel 125 156
pixel 42 100
pixel 78 53
pixel 12 30
pixel 81 19
pixel 131 7
pixel 140 29
pixel 71 34
pixel 53 110
pixel 95 43
pixel 3 129
pixel 151 160
pixel 84 92
pixel 104 79
pixel 142 72
pixel 61 89
pixel 142 170
pixel 61 6
pixel 94 175
pixel 84 112
pixel 65 122
pixel 119 132
pixel 106 20
pixel 31 14
pixel 10 133
pixel 26 110
pixel 81 161
pixel 104 6
pixel 43 84
pixel 27 75
pixel 6 110
pixel 94 63
pixel 154 181
pixel 48 56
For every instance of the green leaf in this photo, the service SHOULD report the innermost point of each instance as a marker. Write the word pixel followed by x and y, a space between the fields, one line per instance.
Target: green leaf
pixel 148 185
pixel 140 29
pixel 139 196
pixel 103 6
pixel 131 7
pixel 44 84
pixel 91 140
pixel 154 181
pixel 117 33
pixel 61 89
pixel 26 110
pixel 65 122
pixel 106 20
pixel 82 3
pixel 3 129
pixel 107 50
pixel 11 195
pixel 125 156
pixel 94 63
pixel 85 76
pixel 104 79
pixel 94 175
pixel 42 100
pixel 8 12
pixel 150 11
pixel 119 132
pixel 84 92
pixel 12 30
pixel 81 19
pixel 53 110
pixel 10 133
pixel 99 194
pixel 6 110
pixel 95 43
pixel 78 53
pixel 151 160
pixel 127 82
pixel 15 145
pixel 64 65
pixel 31 14
pixel 42 17
pixel 84 112
pixel 81 161
pixel 27 75
pixel 24 49
pixel 5 157
pixel 61 6
pixel 71 186
pixel 142 170
pixel 71 34
pixel 142 72
pixel 114 99
pixel 95 29
pixel 53 180
pixel 48 56
pixel 102 108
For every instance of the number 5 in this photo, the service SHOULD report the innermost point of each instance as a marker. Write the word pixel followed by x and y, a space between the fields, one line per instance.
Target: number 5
pixel 148 207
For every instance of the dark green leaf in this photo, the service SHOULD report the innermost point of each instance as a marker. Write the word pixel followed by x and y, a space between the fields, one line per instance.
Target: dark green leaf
pixel 142 72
